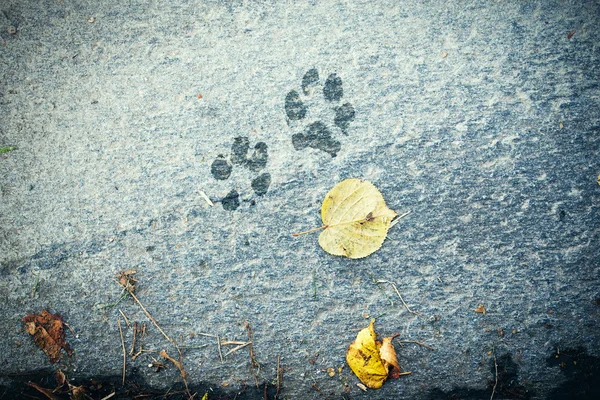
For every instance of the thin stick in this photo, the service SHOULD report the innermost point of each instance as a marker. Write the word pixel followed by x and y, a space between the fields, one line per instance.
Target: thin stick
pixel 71 329
pixel 415 342
pixel 232 342
pixel 179 366
pixel 237 348
pixel 253 361
pixel 124 351
pixel 219 348
pixel 109 396
pixel 279 378
pixel 401 299
pixel 125 318
pixel 46 392
pixel 205 197
pixel 495 383
pixel 150 316
pixel 135 328
pixel 395 221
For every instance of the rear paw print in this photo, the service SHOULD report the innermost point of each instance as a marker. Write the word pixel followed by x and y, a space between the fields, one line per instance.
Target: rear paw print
pixel 221 169
pixel 317 134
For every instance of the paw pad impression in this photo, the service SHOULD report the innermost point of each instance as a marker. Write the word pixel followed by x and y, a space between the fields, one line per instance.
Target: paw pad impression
pixel 317 134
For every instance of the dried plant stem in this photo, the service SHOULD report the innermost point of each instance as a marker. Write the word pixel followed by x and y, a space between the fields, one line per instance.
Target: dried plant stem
pixel 416 342
pixel 396 220
pixel 279 377
pixel 125 318
pixel 400 296
pixel 241 346
pixel 309 231
pixel 495 383
pixel 150 317
pixel 179 366
pixel 124 351
pixel 218 342
pixel 253 362
pixel 135 328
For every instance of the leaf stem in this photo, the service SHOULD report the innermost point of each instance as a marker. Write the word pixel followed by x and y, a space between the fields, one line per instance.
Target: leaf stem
pixel 310 231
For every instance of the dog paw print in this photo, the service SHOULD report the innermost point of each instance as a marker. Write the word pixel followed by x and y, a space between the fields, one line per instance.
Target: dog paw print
pixel 221 169
pixel 316 133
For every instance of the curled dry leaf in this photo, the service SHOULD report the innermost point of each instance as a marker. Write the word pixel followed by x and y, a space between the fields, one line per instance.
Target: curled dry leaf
pixel 48 333
pixel 388 357
pixel 372 361
pixel 480 309
pixel 355 219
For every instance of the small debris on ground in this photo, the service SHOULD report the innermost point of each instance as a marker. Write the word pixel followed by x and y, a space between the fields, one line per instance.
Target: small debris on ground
pixel 48 333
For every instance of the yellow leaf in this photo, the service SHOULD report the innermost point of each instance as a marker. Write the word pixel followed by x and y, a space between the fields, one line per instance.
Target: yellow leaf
pixel 370 360
pixel 364 360
pixel 355 219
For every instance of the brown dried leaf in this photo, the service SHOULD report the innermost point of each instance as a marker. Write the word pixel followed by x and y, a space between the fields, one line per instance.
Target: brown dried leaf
pixel 388 357
pixel 480 309
pixel 127 280
pixel 48 333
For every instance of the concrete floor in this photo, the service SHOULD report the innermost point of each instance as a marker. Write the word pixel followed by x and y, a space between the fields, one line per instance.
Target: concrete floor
pixel 482 119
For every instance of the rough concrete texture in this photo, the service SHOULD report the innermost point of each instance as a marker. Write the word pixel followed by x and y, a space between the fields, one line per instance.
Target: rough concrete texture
pixel 482 119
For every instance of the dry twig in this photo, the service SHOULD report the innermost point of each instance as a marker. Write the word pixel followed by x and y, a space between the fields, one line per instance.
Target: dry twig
pixel 135 329
pixel 254 363
pixel 241 346
pixel 179 366
pixel 416 342
pixel 125 318
pixel 46 392
pixel 218 343
pixel 127 280
pixel 279 377
pixel 495 383
pixel 400 296
pixel 124 351
pixel 395 221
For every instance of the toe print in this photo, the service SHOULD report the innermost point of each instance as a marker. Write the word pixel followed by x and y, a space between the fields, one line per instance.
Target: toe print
pixel 261 183
pixel 332 90
pixel 294 107
pixel 317 134
pixel 221 169
pixel 310 80
pixel 232 201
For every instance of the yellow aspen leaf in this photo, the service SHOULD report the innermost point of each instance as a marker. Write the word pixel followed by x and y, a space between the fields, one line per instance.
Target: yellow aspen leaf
pixel 355 219
pixel 372 361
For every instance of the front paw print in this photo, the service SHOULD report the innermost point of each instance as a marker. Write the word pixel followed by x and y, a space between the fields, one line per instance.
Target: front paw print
pixel 221 169
pixel 316 134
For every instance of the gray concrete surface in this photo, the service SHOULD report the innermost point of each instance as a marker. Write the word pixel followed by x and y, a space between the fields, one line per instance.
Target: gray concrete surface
pixel 481 118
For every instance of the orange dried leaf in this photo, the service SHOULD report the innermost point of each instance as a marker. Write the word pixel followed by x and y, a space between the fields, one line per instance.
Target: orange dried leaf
pixel 480 309
pixel 48 333
pixel 388 357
